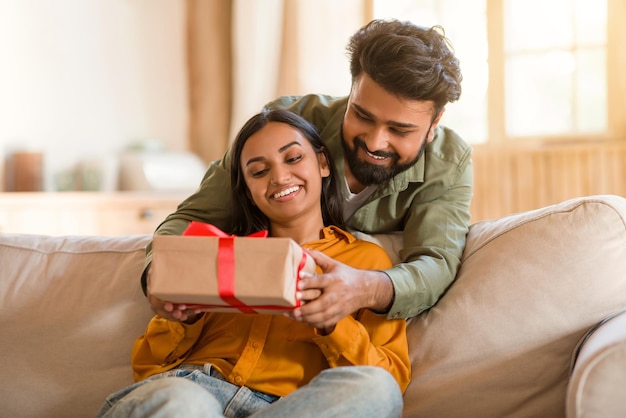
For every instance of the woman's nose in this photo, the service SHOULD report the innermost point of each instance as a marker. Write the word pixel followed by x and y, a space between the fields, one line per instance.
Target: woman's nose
pixel 280 175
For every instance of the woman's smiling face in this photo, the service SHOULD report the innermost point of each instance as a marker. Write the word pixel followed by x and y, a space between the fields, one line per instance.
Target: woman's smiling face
pixel 283 173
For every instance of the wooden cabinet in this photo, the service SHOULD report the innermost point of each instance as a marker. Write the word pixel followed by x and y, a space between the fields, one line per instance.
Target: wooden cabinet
pixel 85 213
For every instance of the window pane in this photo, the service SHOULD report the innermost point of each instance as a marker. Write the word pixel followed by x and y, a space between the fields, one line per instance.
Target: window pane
pixel 555 72
pixel 537 24
pixel 591 83
pixel 417 11
pixel 539 94
pixel 591 22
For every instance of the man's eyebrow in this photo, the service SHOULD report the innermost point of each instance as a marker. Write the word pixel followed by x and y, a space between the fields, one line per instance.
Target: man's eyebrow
pixel 281 149
pixel 391 122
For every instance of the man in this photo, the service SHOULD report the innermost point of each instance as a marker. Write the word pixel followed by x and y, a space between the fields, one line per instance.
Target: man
pixel 402 171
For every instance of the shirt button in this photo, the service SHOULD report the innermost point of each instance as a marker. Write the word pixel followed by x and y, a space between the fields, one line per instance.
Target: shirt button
pixel 238 379
pixel 255 344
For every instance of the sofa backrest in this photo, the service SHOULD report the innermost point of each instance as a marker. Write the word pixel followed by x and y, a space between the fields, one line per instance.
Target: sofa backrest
pixel 70 309
pixel 501 341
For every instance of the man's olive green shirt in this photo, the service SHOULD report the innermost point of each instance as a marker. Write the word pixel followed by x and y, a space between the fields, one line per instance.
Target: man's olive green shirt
pixel 429 202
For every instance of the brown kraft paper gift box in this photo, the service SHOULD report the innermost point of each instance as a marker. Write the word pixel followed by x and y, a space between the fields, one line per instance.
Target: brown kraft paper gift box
pixel 187 269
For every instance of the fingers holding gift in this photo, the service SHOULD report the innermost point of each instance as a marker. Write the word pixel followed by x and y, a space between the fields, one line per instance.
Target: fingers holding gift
pixel 304 294
pixel 321 313
pixel 333 300
pixel 172 311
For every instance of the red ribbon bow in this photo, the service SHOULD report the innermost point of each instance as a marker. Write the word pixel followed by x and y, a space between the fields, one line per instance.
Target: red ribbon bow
pixel 200 228
pixel 226 264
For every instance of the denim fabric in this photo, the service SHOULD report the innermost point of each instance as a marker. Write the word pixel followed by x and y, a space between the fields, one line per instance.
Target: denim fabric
pixel 194 391
pixel 351 391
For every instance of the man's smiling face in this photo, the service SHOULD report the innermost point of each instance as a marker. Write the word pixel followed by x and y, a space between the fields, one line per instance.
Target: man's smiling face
pixel 383 134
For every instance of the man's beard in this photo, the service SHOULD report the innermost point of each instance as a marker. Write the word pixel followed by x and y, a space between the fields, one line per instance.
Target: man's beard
pixel 367 173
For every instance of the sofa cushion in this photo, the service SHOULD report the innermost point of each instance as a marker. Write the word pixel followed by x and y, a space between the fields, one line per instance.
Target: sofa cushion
pixel 71 309
pixel 500 341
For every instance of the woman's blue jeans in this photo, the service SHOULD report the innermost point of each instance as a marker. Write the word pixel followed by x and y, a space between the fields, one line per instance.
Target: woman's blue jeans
pixel 196 391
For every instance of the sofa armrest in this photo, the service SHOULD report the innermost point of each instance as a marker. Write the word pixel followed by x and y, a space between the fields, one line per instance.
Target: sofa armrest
pixel 598 377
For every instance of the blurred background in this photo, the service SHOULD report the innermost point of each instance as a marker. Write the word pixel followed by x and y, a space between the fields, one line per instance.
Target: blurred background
pixel 139 95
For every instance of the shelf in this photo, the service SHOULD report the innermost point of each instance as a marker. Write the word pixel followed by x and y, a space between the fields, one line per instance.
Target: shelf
pixel 85 213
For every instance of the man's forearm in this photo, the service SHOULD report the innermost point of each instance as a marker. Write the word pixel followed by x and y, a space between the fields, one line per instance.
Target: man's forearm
pixel 380 292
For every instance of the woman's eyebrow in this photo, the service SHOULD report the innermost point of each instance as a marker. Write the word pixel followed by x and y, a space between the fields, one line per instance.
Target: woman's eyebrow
pixel 254 159
pixel 284 147
pixel 281 149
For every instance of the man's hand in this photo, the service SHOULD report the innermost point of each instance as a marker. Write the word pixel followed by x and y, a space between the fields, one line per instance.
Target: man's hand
pixel 340 291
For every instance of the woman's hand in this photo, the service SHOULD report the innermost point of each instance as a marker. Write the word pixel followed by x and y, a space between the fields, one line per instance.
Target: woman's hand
pixel 172 311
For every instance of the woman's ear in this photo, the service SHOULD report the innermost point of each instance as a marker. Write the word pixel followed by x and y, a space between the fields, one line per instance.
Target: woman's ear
pixel 324 169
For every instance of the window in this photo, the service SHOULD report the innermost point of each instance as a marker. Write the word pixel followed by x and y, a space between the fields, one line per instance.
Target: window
pixel 532 69
pixel 555 67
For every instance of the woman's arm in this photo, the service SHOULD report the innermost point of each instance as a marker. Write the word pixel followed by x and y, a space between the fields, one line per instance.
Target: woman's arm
pixel 372 340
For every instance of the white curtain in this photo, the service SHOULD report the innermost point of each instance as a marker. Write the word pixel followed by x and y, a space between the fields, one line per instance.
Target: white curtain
pixel 256 48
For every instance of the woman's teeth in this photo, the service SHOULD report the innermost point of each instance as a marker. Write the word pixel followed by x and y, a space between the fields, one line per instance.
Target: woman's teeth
pixel 286 192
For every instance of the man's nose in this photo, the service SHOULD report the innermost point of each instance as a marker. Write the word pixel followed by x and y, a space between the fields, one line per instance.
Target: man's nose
pixel 377 139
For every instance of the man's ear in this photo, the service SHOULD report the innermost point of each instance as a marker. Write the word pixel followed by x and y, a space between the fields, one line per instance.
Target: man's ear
pixel 324 168
pixel 433 126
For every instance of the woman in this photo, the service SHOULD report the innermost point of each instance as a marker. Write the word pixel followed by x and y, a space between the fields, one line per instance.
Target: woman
pixel 232 364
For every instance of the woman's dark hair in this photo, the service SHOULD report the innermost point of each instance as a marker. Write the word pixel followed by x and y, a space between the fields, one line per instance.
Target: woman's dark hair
pixel 413 62
pixel 247 218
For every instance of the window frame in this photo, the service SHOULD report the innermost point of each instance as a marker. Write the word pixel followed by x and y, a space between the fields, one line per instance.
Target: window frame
pixel 616 86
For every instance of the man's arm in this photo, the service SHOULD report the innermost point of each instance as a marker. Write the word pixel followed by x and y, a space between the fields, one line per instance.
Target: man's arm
pixel 434 239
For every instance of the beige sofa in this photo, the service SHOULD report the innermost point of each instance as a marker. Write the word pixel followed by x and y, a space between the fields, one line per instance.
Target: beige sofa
pixel 531 327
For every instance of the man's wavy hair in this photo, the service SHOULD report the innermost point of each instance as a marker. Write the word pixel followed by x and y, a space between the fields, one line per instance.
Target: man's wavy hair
pixel 410 61
pixel 247 218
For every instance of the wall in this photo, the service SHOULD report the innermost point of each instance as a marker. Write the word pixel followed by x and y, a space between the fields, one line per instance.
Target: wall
pixel 83 79
pixel 519 178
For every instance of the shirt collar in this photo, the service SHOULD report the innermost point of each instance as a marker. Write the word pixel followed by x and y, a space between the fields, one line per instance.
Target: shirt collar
pixel 336 232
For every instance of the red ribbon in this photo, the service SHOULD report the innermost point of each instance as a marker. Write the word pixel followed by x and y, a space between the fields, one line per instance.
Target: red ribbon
pixel 226 265
pixel 225 261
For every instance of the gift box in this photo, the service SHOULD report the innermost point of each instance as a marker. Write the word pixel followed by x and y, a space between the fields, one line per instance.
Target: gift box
pixel 210 270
